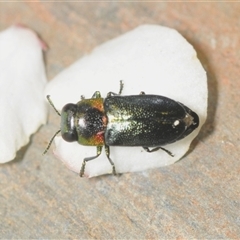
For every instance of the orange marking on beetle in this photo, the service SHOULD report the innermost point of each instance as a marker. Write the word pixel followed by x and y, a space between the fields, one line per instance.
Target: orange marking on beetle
pixel 97 103
pixel 98 139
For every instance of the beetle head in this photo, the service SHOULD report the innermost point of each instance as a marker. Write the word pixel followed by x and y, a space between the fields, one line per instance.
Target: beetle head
pixel 68 128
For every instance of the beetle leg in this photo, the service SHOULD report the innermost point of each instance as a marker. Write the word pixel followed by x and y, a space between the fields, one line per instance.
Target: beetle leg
pixel 85 160
pixel 156 149
pixel 97 94
pixel 107 151
pixel 121 87
pixel 120 90
pixel 110 94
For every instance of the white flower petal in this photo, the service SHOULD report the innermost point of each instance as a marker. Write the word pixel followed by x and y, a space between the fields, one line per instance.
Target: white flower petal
pixel 22 82
pixel 153 59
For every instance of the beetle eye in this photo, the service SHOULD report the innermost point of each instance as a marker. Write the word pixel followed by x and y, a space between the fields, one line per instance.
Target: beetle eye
pixel 68 129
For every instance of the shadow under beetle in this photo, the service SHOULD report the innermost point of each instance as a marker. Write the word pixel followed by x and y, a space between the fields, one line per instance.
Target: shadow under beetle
pixel 135 120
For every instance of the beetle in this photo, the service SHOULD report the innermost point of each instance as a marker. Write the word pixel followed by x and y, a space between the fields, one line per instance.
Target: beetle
pixel 147 121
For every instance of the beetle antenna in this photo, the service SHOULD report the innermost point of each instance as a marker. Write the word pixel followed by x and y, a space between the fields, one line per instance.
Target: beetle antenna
pixel 51 103
pixel 50 142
